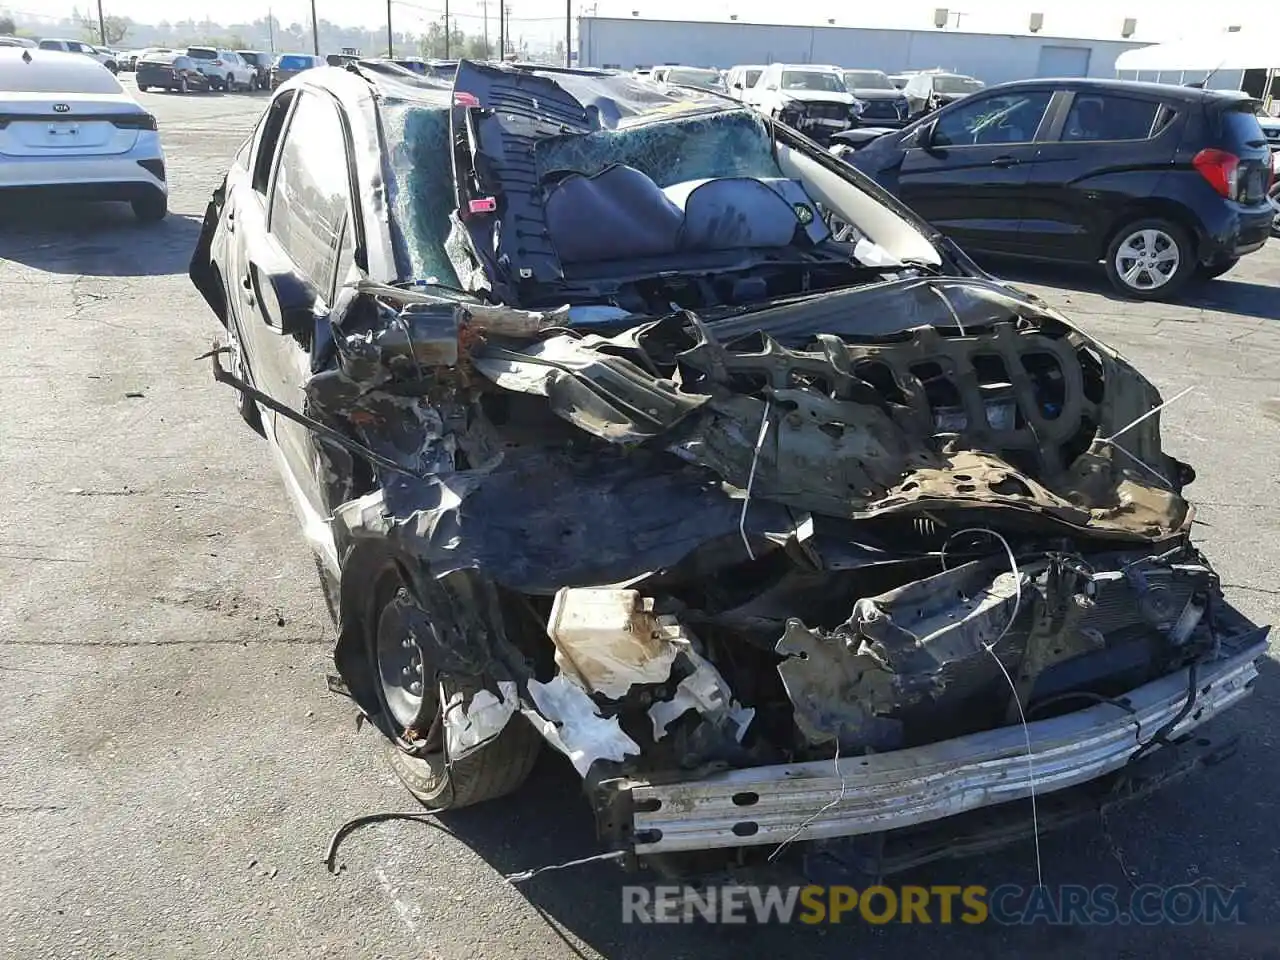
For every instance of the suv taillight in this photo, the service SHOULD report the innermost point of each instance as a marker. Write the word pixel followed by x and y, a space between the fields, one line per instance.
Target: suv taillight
pixel 1220 168
pixel 217 63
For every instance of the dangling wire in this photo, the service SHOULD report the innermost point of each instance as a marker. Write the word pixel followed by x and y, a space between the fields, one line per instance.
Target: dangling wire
pixel 751 477
pixel 990 648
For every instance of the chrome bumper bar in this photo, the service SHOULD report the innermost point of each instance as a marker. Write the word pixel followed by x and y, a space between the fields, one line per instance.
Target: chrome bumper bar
pixel 859 795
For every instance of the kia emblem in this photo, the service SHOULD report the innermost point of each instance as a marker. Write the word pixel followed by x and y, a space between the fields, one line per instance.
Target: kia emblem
pixel 62 108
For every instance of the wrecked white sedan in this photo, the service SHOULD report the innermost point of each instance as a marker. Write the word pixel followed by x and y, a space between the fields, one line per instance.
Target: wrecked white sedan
pixel 632 423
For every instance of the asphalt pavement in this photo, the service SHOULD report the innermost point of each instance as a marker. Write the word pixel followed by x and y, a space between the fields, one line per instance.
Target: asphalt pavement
pixel 172 764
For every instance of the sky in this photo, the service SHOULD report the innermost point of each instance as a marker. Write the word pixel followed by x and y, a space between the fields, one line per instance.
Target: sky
pixel 1170 19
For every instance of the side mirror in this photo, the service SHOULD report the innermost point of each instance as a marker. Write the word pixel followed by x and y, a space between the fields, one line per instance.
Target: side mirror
pixel 288 302
pixel 926 137
pixel 737 84
pixel 772 86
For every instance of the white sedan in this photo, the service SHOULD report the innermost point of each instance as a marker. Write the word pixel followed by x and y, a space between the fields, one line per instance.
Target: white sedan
pixel 68 130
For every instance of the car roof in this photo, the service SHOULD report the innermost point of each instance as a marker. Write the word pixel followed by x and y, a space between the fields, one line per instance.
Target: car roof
pixel 50 72
pixel 1167 91
pixel 350 84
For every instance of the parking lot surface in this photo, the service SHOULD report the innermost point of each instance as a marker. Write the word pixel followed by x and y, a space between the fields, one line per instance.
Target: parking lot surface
pixel 173 764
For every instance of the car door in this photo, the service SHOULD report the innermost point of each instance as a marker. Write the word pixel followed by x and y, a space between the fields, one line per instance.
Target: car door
pixel 298 237
pixel 1104 150
pixel 966 170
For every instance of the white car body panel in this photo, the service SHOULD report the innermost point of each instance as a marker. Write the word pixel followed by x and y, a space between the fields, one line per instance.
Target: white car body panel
pixel 77 133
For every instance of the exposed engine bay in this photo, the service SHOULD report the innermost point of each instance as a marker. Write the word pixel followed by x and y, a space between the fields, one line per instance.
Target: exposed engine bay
pixel 783 538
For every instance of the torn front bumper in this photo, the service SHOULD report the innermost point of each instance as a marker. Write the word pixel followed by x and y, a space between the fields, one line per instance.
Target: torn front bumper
pixel 904 788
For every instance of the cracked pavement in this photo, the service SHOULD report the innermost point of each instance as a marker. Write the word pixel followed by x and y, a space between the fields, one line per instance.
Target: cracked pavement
pixel 174 765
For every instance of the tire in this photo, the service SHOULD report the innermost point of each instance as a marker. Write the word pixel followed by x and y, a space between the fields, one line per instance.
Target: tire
pixel 183 86
pixel 1155 254
pixel 1211 271
pixel 142 88
pixel 246 406
pixel 1274 197
pixel 152 208
pixel 491 771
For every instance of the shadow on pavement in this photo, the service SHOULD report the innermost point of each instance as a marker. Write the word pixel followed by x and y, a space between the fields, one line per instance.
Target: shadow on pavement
pixel 100 239
pixel 1227 294
pixel 1215 827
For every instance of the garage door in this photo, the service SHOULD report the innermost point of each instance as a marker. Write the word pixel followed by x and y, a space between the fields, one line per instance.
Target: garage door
pixel 1063 62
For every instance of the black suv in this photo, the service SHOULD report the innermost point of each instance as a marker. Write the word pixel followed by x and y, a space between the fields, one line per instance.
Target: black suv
pixel 1160 182
pixel 261 63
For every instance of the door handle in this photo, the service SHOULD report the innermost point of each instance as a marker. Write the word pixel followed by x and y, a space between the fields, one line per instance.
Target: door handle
pixel 1005 161
pixel 247 282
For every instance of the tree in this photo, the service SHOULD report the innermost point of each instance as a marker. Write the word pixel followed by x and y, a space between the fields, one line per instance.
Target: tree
pixel 116 28
pixel 7 26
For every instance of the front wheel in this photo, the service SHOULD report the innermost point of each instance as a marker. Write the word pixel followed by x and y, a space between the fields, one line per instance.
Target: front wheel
pixel 183 86
pixel 142 88
pixel 1274 199
pixel 411 693
pixel 1150 259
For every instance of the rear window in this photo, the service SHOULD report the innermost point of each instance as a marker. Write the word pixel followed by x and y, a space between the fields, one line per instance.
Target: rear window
pixel 293 63
pixel 950 85
pixel 68 75
pixel 202 53
pixel 1241 127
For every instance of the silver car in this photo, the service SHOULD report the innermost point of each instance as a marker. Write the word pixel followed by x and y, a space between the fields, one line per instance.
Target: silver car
pixel 226 69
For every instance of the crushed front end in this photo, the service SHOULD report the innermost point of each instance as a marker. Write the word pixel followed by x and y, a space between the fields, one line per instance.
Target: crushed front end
pixel 803 574
pixel 776 536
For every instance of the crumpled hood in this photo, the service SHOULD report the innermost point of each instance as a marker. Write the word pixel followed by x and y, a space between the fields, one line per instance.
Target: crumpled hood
pixel 901 396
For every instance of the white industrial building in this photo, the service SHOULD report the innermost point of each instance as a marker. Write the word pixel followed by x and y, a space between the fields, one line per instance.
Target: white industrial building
pixel 621 42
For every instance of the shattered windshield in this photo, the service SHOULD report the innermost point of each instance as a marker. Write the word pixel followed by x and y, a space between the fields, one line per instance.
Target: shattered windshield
pixel 812 80
pixel 421 186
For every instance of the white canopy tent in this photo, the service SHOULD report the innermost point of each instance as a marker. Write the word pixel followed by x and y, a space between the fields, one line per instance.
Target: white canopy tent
pixel 1219 61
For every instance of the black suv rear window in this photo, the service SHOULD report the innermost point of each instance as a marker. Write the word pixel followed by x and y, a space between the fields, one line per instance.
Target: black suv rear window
pixel 1240 127
pixel 202 53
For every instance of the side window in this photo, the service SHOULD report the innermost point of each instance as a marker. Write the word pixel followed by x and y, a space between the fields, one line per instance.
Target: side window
pixel 49 45
pixel 310 200
pixel 271 126
pixel 1007 118
pixel 1109 117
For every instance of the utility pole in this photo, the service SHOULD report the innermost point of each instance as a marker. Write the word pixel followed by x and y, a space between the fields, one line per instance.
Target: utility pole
pixel 447 29
pixel 484 6
pixel 568 33
pixel 502 30
pixel 271 29
pixel 102 24
pixel 315 30
pixel 391 46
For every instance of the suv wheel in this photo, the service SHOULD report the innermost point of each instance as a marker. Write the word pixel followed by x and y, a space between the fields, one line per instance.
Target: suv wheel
pixel 1274 199
pixel 1150 259
pixel 409 692
pixel 151 208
